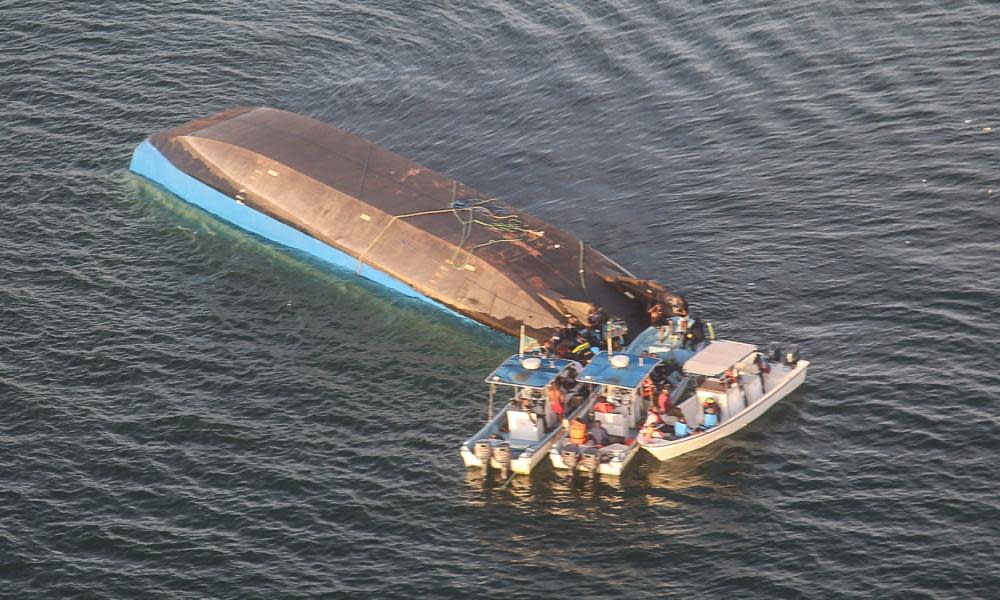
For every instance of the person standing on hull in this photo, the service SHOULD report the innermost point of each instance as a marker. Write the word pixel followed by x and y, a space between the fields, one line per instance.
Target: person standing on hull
pixel 597 318
pixel 658 316
pixel 582 351
pixel 694 335
pixel 571 328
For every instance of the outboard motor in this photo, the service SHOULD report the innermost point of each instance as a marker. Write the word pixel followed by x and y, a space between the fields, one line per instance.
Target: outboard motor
pixel 570 455
pixel 792 355
pixel 591 460
pixel 483 450
pixel 501 452
pixel 774 352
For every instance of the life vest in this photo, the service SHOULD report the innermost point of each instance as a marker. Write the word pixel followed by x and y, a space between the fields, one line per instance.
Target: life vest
pixel 577 431
pixel 681 429
pixel 648 388
pixel 710 420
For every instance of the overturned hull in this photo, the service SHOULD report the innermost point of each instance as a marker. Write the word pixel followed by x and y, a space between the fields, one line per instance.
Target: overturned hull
pixel 332 194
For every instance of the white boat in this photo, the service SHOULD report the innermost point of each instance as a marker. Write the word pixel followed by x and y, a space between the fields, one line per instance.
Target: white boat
pixel 740 380
pixel 617 378
pixel 519 435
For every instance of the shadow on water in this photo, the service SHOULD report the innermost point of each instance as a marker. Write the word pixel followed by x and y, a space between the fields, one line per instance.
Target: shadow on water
pixel 350 292
pixel 722 469
pixel 716 469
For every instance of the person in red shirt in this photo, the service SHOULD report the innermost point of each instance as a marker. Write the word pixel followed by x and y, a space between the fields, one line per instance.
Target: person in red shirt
pixel 663 400
pixel 556 401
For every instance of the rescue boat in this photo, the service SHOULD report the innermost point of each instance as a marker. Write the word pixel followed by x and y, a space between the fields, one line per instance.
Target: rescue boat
pixel 522 431
pixel 616 378
pixel 738 379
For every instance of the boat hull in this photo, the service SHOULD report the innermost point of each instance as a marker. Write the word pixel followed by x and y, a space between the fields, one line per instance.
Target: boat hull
pixel 615 467
pixel 521 465
pixel 667 449
pixel 149 162
pixel 336 196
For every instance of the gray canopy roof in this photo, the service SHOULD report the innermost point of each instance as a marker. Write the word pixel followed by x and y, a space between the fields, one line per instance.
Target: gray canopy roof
pixel 717 357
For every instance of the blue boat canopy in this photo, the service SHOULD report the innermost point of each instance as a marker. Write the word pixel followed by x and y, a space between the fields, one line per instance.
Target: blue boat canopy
pixel 513 372
pixel 600 370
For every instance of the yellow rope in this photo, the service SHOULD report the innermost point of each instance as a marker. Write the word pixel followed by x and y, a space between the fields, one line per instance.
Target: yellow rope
pixel 389 224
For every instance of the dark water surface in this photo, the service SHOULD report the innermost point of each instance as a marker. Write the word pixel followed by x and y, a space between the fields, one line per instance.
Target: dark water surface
pixel 187 412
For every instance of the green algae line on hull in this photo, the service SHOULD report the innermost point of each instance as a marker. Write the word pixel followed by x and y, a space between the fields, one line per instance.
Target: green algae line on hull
pixel 333 194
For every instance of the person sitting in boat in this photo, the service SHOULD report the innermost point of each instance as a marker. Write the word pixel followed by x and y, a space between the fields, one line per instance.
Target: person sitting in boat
pixel 564 350
pixel 652 433
pixel 711 414
pixel 603 405
pixel 577 432
pixel 599 434
pixel 681 428
pixel 574 402
pixel 656 419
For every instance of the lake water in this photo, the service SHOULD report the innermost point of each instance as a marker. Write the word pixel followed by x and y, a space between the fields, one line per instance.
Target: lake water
pixel 188 412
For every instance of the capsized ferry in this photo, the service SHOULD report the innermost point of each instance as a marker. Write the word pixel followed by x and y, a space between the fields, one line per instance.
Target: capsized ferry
pixel 333 195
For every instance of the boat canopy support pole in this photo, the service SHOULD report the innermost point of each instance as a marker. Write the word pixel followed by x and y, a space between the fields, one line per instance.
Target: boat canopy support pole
pixel 493 391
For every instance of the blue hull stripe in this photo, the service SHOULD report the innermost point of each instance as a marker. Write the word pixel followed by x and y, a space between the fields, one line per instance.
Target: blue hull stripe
pixel 150 163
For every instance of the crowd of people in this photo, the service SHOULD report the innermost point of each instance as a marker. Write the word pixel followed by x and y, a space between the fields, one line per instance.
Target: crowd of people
pixel 672 424
pixel 690 331
pixel 580 341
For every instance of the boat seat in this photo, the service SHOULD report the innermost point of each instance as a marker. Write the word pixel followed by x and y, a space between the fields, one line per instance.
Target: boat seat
pixel 616 424
pixel 522 427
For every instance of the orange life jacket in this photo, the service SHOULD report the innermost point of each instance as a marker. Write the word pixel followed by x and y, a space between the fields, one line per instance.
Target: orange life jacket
pixel 577 431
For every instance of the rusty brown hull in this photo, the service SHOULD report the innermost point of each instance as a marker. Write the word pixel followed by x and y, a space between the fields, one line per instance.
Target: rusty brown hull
pixel 448 242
